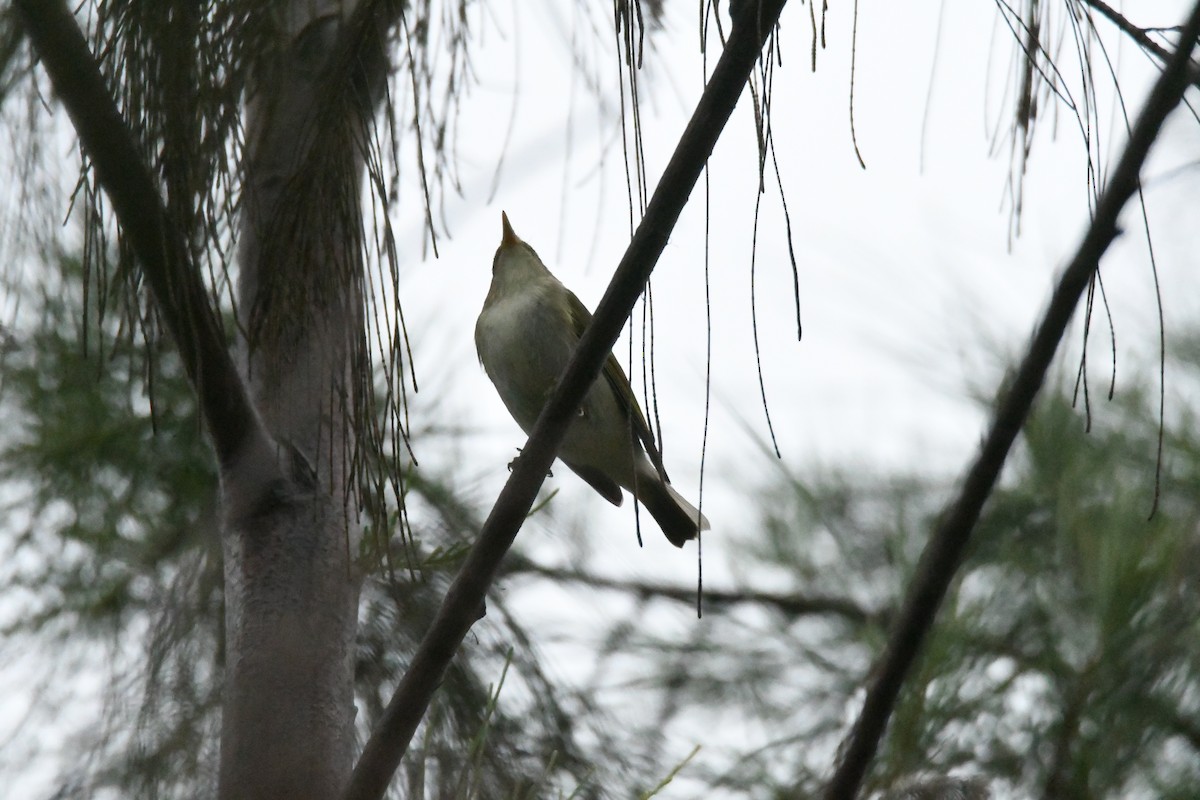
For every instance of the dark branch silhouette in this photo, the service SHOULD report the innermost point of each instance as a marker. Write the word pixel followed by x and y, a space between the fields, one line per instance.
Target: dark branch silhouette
pixel 1129 29
pixel 944 552
pixel 464 600
pixel 790 604
pixel 183 302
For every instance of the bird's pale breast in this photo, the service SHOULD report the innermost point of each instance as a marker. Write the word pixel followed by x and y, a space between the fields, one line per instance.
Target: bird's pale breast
pixel 523 347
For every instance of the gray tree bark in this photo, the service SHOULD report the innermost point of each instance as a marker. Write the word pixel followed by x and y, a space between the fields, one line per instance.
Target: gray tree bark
pixel 291 579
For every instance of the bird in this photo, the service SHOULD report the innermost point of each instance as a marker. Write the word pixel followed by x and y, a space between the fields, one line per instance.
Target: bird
pixel 525 335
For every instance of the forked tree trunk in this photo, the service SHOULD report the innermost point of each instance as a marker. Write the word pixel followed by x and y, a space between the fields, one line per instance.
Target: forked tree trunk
pixel 292 582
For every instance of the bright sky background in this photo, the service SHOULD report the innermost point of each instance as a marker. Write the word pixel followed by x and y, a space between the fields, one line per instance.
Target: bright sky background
pixel 910 284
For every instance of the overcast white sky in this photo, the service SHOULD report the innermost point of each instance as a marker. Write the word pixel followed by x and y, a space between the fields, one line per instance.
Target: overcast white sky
pixel 909 281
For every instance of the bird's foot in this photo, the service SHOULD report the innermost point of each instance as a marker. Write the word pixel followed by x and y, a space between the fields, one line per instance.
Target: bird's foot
pixel 513 463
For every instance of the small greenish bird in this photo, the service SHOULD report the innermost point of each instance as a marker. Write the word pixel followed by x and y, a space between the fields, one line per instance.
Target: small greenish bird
pixel 526 334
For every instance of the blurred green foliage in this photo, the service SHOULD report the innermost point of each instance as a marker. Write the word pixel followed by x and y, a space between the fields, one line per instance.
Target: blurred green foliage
pixel 111 567
pixel 1066 662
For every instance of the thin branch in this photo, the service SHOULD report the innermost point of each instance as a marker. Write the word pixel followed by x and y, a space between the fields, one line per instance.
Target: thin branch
pixel 1140 35
pixel 464 600
pixel 790 604
pixel 182 301
pixel 944 552
pixel 1129 29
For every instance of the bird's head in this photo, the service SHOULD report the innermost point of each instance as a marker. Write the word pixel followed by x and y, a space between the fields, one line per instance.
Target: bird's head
pixel 515 260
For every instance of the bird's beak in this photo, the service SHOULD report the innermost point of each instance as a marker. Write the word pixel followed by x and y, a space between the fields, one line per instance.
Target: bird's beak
pixel 509 238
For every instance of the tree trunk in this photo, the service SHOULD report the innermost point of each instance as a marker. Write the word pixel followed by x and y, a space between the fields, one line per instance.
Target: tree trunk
pixel 292 582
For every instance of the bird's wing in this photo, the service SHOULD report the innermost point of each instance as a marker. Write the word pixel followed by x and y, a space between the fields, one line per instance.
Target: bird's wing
pixel 580 317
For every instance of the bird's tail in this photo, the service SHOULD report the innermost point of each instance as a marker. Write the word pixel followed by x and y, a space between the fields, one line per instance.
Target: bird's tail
pixel 679 519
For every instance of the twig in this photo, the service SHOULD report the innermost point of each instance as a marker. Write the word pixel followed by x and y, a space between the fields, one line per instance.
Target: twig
pixel 463 604
pixel 1129 29
pixel 791 604
pixel 945 550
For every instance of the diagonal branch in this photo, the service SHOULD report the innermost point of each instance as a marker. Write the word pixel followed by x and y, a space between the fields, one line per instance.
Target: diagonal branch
pixel 1129 29
pixel 180 295
pixel 1141 36
pixel 944 552
pixel 464 600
